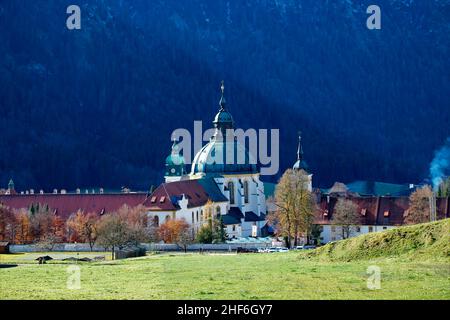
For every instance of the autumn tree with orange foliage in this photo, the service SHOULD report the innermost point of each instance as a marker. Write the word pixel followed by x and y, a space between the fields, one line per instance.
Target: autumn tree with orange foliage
pixel 7 224
pixel 137 223
pixel 126 227
pixel 47 228
pixel 24 233
pixel 176 231
pixel 419 206
pixel 83 228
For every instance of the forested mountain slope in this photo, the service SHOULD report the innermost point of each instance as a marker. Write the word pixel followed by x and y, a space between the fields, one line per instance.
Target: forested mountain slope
pixel 96 107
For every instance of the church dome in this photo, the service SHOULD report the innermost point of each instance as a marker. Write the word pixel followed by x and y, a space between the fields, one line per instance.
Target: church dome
pixel 175 158
pixel 223 154
pixel 223 157
pixel 223 117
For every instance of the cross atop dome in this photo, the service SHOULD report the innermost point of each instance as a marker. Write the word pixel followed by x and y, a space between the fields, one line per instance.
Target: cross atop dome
pixel 222 102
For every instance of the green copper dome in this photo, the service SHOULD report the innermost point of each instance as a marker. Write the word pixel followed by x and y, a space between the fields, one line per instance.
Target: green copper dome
pixel 223 157
pixel 223 118
pixel 223 154
pixel 175 162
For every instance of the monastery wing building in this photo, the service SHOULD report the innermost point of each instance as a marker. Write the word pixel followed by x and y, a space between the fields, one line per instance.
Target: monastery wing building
pixel 224 182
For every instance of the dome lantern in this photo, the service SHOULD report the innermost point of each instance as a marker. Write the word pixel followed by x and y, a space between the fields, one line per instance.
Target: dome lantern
pixel 223 119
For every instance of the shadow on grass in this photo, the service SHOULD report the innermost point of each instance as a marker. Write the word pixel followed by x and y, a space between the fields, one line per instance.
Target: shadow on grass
pixel 4 266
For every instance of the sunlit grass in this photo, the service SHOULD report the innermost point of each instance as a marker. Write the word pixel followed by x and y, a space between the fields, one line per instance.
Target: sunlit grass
pixel 247 276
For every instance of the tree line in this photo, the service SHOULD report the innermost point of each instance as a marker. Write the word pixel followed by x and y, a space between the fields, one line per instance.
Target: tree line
pixel 126 227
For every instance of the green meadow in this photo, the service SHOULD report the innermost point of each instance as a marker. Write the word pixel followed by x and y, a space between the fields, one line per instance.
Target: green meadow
pixel 247 276
pixel 420 270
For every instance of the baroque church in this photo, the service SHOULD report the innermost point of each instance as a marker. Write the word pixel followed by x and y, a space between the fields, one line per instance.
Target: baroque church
pixel 232 191
pixel 217 186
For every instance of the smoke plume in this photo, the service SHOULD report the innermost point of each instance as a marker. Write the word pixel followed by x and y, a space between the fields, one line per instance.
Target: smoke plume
pixel 440 166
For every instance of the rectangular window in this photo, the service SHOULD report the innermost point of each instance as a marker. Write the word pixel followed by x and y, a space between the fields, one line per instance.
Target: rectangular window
pixel 333 229
pixel 163 198
pixel 358 229
pixel 246 191
pixel 371 229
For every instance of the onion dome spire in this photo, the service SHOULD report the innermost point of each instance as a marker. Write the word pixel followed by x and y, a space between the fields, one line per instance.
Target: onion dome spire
pixel 223 119
pixel 300 148
pixel 222 102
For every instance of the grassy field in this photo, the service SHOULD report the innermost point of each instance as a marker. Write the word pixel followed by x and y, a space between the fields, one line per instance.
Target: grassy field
pixel 414 264
pixel 249 276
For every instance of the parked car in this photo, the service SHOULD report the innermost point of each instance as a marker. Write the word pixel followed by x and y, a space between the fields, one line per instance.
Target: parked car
pixel 246 250
pixel 282 249
pixel 305 247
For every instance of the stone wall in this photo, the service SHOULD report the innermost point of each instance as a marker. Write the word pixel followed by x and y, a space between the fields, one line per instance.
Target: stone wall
pixel 81 247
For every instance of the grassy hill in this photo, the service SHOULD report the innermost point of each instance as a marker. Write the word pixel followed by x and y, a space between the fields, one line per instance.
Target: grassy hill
pixel 428 241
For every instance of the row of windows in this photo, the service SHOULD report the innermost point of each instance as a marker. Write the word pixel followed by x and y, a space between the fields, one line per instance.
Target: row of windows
pixel 232 191
pixel 358 229
pixel 195 216
pixel 208 214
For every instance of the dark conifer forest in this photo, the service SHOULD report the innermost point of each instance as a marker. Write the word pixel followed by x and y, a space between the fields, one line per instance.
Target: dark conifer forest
pixel 96 106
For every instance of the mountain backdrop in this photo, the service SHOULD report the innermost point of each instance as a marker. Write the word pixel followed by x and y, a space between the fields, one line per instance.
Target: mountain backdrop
pixel 96 106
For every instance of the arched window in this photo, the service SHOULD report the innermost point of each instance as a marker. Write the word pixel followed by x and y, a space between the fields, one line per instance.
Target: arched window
pixel 245 191
pixel 231 190
pixel 156 221
pixel 167 218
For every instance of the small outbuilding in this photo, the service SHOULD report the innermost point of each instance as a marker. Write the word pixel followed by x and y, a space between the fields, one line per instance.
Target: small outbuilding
pixel 4 247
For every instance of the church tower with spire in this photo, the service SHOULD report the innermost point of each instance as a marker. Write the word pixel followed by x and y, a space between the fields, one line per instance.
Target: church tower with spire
pixel 175 164
pixel 300 164
pixel 11 188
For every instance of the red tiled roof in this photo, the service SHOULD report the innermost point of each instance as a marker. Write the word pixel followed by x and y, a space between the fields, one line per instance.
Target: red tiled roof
pixel 377 210
pixel 66 204
pixel 166 196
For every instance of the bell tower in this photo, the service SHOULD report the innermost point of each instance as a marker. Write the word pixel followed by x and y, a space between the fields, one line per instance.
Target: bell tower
pixel 175 164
